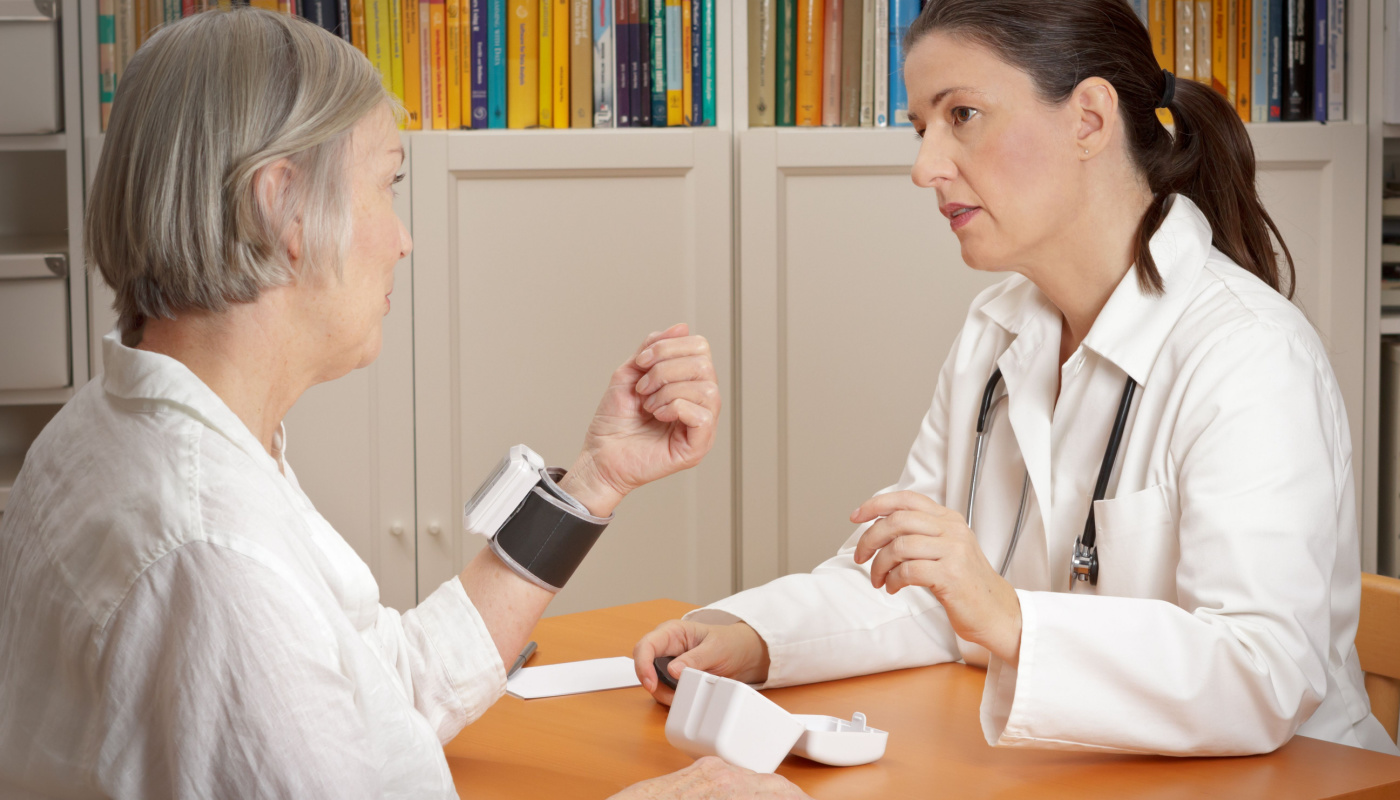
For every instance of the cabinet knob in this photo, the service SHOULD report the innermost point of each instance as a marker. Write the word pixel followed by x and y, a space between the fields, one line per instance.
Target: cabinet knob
pixel 434 529
pixel 396 529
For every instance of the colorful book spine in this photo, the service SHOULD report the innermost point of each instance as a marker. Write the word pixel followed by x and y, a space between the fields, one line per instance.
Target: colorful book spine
pixel 687 77
pixel 866 115
pixel 344 17
pixel 709 73
pixel 437 25
pixel 126 36
pixel 1336 60
pixel 640 11
pixel 188 9
pixel 523 59
pixel 1161 28
pixel 763 72
pixel 378 33
pixel 1319 60
pixel 1259 62
pixel 1185 39
pixel 546 67
pixel 464 63
pixel 480 57
pixel 902 15
pixel 675 65
pixel 809 62
pixel 622 68
pixel 454 64
pixel 604 52
pixel 1243 75
pixel 357 25
pixel 882 63
pixel 395 9
pixel 106 57
pixel 831 62
pixel 658 63
pixel 1222 41
pixel 786 86
pixel 697 60
pixel 1278 44
pixel 561 63
pixel 321 12
pixel 581 64
pixel 851 11
pixel 496 66
pixel 1297 69
pixel 1205 17
pixel 412 68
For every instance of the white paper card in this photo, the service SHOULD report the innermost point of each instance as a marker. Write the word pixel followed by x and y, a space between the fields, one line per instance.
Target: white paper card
pixel 574 677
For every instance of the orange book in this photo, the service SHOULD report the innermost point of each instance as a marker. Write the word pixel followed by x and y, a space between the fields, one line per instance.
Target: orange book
pixel 1244 77
pixel 437 29
pixel 143 22
pixel 454 64
pixel 1220 38
pixel 810 15
pixel 412 68
pixel 561 63
pixel 357 25
pixel 270 5
pixel 1161 26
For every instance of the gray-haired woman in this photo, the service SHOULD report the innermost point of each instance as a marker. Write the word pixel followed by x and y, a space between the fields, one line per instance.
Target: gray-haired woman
pixel 176 619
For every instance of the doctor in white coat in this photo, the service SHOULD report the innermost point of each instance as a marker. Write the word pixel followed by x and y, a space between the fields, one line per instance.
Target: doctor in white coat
pixel 1225 604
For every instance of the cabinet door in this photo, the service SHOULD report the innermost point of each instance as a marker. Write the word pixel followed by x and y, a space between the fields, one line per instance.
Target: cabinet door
pixel 542 261
pixel 853 290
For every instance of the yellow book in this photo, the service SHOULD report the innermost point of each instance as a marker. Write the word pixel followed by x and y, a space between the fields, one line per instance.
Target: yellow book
pixel 357 25
pixel 396 45
pixel 1161 26
pixel 522 64
pixel 454 64
pixel 674 96
pixel 377 40
pixel 437 29
pixel 270 5
pixel 561 63
pixel 1220 40
pixel 687 83
pixel 464 18
pixel 412 67
pixel 1244 63
pixel 546 70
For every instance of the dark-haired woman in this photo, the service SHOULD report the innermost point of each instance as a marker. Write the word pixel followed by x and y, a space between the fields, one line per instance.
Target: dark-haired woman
pixel 1148 355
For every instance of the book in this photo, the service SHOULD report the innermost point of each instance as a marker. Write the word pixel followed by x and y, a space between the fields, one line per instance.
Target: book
pixel 143 23
pixel 852 30
pixel 412 68
pixel 546 67
pixel 464 63
pixel 1186 39
pixel 480 56
pixel 344 16
pixel 453 27
pixel 1220 48
pixel 1297 61
pixel 1278 43
pixel 1161 29
pixel 865 116
pixel 641 72
pixel 1336 61
pixel 902 15
pixel 437 46
pixel 395 9
pixel 687 76
pixel 1259 61
pixel 675 65
pixel 622 65
pixel 882 63
pixel 357 25
pixel 709 100
pixel 378 35
pixel 786 85
pixel 325 13
pixel 106 57
pixel 561 62
pixel 658 63
pixel 697 48
pixel 763 72
pixel 603 54
pixel 1319 59
pixel 831 61
pixel 126 36
pixel 1243 73
pixel 581 64
pixel 496 63
pixel 1205 16
pixel 523 63
pixel 809 62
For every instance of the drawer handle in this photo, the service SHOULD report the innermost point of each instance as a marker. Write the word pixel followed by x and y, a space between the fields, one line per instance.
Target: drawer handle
pixel 58 265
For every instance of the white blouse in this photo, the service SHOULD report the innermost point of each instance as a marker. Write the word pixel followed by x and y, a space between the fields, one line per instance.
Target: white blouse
pixel 177 620
pixel 1225 613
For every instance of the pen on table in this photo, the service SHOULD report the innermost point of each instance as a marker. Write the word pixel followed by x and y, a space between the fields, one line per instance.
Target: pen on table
pixel 520 661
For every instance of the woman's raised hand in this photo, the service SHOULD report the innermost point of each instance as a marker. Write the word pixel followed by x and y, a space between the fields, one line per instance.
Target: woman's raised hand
pixel 730 651
pixel 917 542
pixel 658 416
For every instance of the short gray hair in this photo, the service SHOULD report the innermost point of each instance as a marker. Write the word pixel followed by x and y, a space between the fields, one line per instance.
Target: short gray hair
pixel 174 221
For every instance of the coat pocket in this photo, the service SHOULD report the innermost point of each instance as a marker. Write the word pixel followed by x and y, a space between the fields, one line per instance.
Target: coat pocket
pixel 1138 545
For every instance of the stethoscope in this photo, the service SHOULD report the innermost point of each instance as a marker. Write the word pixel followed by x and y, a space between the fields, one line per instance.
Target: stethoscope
pixel 1084 562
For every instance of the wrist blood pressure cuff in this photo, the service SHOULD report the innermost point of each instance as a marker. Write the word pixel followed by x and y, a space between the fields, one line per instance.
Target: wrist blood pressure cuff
pixel 547 536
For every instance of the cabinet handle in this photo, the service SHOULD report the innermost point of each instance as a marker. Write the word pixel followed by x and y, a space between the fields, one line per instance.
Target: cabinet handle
pixel 434 529
pixel 396 529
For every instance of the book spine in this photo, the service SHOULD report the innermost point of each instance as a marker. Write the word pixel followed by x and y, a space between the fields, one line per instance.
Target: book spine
pixel 865 117
pixel 1297 66
pixel 902 14
pixel 523 61
pixel 1205 17
pixel 1243 75
pixel 546 68
pixel 831 62
pixel 357 26
pixel 437 47
pixel 479 53
pixel 1336 61
pixel 143 22
pixel 1225 52
pixel 675 81
pixel 126 36
pixel 496 64
pixel 425 60
pixel 763 41
pixel 658 63
pixel 687 77
pixel 1140 8
pixel 561 63
pixel 1259 62
pixel 394 13
pixel 581 64
pixel 785 62
pixel 454 64
pixel 1161 28
pixel 342 19
pixel 603 55
pixel 321 12
pixel 622 86
pixel 809 62
pixel 187 9
pixel 106 57
pixel 709 73
pixel 851 32
pixel 1278 46
pixel 1186 39
pixel 697 56
pixel 412 68
pixel 377 32
pixel 641 69
pixel 1319 58
pixel 882 63
pixel 464 63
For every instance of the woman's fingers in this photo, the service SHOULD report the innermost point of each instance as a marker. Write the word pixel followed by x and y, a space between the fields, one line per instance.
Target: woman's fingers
pixel 669 347
pixel 677 369
pixel 704 394
pixel 679 329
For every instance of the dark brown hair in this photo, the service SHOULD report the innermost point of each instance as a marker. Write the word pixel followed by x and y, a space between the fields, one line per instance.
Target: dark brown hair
pixel 1210 159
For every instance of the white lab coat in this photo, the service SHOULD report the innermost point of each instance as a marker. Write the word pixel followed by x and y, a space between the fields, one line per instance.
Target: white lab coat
pixel 1226 608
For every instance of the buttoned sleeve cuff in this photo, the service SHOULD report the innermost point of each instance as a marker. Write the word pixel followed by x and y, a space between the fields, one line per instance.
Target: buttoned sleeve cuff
pixel 474 676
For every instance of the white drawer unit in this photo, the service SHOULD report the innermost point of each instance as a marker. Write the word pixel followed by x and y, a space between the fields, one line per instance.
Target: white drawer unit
pixel 33 315
pixel 30 60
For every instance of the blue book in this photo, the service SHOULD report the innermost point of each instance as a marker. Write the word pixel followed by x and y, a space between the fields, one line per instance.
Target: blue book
pixel 1276 44
pixel 1259 63
pixel 624 38
pixel 658 63
pixel 604 69
pixel 697 75
pixel 479 60
pixel 1320 60
pixel 496 65
pixel 325 13
pixel 708 68
pixel 902 15
pixel 642 83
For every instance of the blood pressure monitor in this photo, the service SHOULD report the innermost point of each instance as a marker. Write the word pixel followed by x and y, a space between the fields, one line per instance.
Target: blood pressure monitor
pixel 533 526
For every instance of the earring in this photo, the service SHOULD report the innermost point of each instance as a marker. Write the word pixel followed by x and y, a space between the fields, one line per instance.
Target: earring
pixel 1086 152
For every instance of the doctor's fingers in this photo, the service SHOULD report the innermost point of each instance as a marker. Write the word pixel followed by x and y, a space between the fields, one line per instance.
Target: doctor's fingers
pixel 915 548
pixel 900 523
pixel 885 504
pixel 670 638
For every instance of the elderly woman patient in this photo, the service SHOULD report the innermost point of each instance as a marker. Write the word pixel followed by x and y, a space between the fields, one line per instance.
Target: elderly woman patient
pixel 176 619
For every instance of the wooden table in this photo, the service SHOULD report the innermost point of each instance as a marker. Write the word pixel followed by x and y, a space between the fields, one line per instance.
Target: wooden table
pixel 589 746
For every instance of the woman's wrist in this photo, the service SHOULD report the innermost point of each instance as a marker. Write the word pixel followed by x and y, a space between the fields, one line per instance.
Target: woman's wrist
pixel 584 484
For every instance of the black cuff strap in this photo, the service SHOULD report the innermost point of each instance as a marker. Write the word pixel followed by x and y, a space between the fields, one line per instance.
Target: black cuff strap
pixel 546 538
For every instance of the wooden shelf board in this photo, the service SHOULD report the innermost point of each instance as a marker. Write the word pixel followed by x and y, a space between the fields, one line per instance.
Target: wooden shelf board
pixel 35 397
pixel 1390 324
pixel 51 141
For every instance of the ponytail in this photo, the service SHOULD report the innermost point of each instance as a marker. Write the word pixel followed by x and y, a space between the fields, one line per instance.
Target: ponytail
pixel 1210 159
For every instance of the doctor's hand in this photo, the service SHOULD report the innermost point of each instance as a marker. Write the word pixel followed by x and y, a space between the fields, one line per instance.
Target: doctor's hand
pixel 730 651
pixel 713 779
pixel 658 416
pixel 917 542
